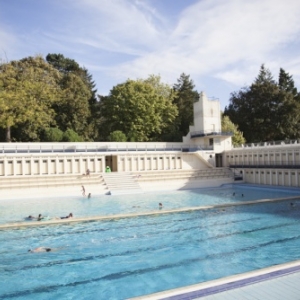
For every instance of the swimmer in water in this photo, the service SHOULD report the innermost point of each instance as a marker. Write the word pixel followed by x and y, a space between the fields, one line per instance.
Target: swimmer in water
pixel 40 249
pixel 160 205
pixel 67 217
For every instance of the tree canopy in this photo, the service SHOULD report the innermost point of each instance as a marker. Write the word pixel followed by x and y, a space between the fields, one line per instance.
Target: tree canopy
pixel 267 110
pixel 76 109
pixel 185 97
pixel 136 109
pixel 228 126
pixel 55 99
pixel 28 89
pixel 37 95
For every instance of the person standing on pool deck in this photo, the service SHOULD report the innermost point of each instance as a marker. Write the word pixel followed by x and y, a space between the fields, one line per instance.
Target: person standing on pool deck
pixel 83 190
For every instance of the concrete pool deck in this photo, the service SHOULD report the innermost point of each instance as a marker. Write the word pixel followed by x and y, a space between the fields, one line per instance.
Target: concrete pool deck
pixel 25 193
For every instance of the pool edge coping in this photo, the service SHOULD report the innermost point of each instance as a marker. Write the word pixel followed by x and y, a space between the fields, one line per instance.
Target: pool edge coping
pixel 216 286
pixel 134 215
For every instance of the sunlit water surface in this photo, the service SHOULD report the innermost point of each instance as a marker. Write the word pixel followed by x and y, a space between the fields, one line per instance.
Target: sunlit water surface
pixel 128 257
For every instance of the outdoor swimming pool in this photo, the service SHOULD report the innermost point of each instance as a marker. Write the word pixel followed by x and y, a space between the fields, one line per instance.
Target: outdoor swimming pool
pixel 16 210
pixel 128 257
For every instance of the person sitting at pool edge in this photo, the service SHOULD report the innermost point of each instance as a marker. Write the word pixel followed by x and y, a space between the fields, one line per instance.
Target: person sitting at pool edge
pixel 40 217
pixel 67 217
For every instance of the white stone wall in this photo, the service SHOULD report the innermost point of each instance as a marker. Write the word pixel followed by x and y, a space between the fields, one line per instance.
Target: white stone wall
pixel 51 164
pixel 280 177
pixel 77 163
pixel 289 155
pixel 260 165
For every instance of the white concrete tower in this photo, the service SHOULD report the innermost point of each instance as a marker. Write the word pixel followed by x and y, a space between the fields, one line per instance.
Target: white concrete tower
pixel 207 115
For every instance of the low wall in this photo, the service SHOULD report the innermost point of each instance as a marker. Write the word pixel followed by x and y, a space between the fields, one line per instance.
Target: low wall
pixel 43 164
pixel 279 177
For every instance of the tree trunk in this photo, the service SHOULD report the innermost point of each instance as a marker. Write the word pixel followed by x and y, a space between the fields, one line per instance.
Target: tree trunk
pixel 8 136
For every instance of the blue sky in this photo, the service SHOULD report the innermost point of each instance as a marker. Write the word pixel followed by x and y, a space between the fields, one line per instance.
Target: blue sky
pixel 221 44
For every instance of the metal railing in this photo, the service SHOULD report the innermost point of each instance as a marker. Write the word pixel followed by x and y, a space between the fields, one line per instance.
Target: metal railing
pixel 7 148
pixel 269 144
pixel 209 133
pixel 268 165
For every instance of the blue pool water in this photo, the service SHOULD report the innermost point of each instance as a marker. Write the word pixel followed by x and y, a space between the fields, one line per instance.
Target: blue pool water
pixel 128 257
pixel 18 209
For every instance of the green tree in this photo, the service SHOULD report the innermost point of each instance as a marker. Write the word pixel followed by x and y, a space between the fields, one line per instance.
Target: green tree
pixel 72 109
pixel 53 135
pixel 71 136
pixel 265 111
pixel 286 84
pixel 28 89
pixel 167 95
pixel 62 64
pixel 76 82
pixel 117 136
pixel 264 76
pixel 228 126
pixel 135 108
pixel 185 97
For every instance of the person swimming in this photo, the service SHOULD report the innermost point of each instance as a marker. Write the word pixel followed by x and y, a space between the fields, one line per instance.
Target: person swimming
pixel 160 205
pixel 67 217
pixel 40 249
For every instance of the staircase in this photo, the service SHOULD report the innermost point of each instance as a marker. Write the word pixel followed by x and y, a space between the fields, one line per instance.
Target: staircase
pixel 164 175
pixel 121 183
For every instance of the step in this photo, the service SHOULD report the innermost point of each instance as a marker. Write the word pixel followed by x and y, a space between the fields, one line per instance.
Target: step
pixel 121 183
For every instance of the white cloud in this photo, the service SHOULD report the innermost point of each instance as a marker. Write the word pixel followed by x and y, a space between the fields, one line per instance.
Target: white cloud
pixel 120 26
pixel 224 40
pixel 215 37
